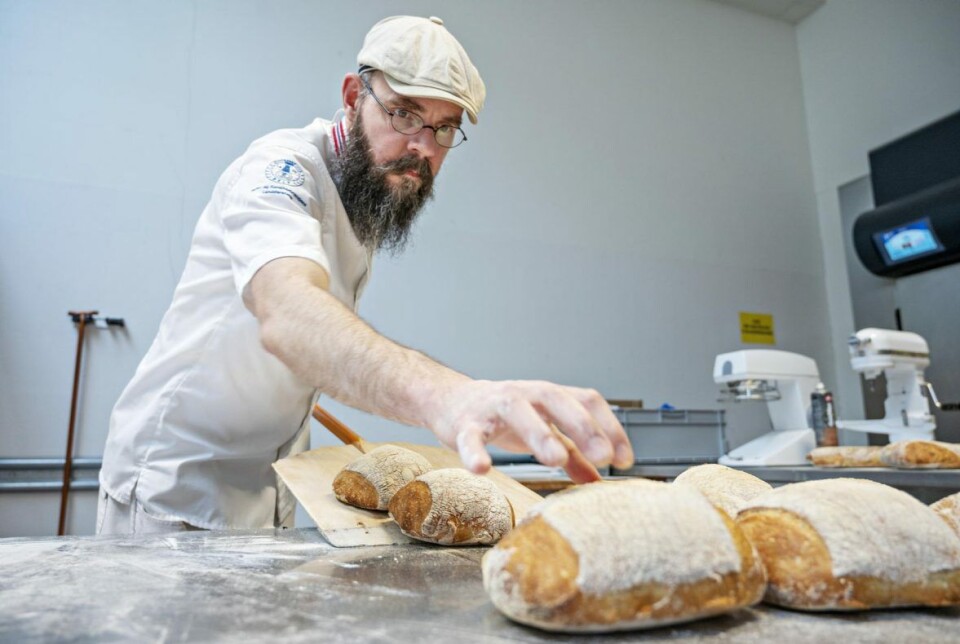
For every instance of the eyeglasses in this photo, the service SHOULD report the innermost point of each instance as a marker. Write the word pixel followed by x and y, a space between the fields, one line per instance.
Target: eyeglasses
pixel 405 122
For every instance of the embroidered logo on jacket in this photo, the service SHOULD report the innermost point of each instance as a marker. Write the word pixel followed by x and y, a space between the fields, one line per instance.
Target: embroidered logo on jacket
pixel 285 171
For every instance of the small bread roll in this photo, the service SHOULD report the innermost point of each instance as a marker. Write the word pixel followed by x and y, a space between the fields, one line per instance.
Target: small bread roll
pixel 613 556
pixel 725 487
pixel 452 507
pixel 852 544
pixel 949 510
pixel 846 456
pixel 371 481
pixel 920 454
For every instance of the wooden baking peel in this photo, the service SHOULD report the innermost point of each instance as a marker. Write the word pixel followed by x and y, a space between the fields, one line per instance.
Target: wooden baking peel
pixel 309 475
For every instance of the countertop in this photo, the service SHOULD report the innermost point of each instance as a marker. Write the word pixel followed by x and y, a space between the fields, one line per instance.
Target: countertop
pixel 926 485
pixel 946 479
pixel 292 586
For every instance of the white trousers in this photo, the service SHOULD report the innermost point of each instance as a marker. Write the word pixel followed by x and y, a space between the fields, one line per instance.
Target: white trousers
pixel 114 517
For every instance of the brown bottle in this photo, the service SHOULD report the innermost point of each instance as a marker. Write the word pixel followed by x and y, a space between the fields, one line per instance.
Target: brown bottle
pixel 829 437
pixel 823 416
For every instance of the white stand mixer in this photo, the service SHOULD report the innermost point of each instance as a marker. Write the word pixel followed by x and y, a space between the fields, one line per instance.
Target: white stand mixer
pixel 784 381
pixel 902 357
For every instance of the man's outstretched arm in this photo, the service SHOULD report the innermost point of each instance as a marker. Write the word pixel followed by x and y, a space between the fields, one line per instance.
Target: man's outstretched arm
pixel 327 345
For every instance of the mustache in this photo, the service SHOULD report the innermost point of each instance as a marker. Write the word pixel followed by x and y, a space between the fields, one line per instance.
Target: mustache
pixel 410 162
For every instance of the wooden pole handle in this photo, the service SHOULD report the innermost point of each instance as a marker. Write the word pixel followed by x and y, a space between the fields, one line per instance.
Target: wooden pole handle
pixel 82 318
pixel 338 429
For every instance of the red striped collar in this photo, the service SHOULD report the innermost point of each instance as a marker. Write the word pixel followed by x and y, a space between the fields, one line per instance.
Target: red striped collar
pixel 339 136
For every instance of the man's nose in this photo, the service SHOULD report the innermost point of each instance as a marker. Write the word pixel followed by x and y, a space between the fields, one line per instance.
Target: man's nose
pixel 424 144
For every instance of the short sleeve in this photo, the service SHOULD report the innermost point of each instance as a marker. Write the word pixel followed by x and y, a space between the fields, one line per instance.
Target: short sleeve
pixel 271 209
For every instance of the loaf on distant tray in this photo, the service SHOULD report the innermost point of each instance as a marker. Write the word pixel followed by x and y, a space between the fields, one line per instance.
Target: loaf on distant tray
pixel 452 507
pixel 613 556
pixel 370 481
pixel 725 487
pixel 846 456
pixel 852 544
pixel 921 454
pixel 949 510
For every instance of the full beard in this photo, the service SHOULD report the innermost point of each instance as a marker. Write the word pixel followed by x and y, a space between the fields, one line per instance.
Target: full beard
pixel 382 215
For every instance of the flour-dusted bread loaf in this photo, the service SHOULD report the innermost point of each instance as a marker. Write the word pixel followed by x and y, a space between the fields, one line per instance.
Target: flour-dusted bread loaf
pixel 949 510
pixel 725 487
pixel 852 544
pixel 452 507
pixel 921 454
pixel 624 555
pixel 847 456
pixel 371 481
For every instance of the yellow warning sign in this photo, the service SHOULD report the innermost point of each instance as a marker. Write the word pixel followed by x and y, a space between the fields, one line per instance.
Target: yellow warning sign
pixel 756 328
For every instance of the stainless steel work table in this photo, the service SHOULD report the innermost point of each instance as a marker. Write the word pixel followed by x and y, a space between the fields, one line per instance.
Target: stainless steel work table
pixel 945 479
pixel 292 586
pixel 926 485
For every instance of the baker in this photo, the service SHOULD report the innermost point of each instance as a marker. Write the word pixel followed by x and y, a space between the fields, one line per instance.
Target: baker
pixel 263 319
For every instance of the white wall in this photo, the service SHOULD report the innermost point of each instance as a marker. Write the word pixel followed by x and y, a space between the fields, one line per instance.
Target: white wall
pixel 639 176
pixel 873 70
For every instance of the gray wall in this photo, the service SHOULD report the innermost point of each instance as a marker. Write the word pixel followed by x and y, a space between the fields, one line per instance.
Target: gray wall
pixel 873 70
pixel 640 175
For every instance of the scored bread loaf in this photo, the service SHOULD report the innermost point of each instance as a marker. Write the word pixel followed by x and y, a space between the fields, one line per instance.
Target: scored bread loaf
pixel 949 510
pixel 921 454
pixel 612 556
pixel 453 507
pixel 846 456
pixel 725 487
pixel 371 481
pixel 851 544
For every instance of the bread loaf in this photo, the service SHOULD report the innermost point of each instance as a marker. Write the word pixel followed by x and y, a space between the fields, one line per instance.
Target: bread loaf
pixel 452 507
pixel 613 556
pixel 725 487
pixel 849 544
pixel 920 454
pixel 371 481
pixel 949 510
pixel 846 456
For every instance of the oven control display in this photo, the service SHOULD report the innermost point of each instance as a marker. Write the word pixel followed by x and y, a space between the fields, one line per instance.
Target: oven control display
pixel 907 242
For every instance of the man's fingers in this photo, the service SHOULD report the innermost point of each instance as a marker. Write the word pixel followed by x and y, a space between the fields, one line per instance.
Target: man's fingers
pixel 567 427
pixel 539 438
pixel 574 420
pixel 524 420
pixel 605 419
pixel 473 450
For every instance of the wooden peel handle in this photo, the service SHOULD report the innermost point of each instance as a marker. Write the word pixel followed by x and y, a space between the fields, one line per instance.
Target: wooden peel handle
pixel 338 429
pixel 578 467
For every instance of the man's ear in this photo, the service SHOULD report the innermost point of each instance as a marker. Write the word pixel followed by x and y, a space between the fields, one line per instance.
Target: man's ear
pixel 351 90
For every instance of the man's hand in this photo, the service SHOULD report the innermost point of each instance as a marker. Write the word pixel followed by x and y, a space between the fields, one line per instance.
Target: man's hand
pixel 517 416
pixel 327 345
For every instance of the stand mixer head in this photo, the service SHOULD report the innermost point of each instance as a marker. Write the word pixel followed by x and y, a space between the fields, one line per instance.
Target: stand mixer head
pixel 902 357
pixel 784 381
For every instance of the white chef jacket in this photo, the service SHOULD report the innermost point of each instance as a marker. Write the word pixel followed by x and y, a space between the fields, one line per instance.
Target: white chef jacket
pixel 209 409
